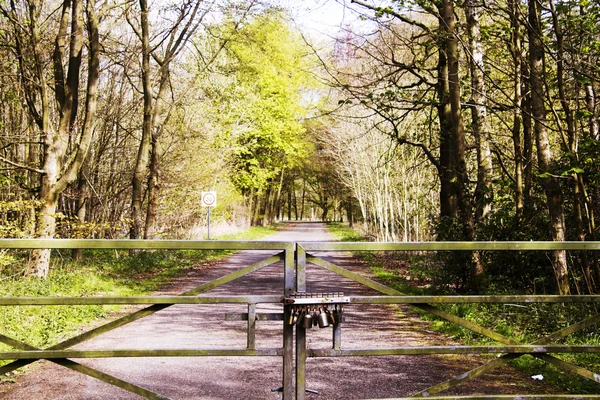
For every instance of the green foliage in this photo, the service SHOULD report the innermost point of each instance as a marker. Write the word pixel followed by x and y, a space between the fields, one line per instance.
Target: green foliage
pixel 450 270
pixel 72 228
pixel 16 218
pixel 589 156
pixel 523 272
pixel 526 272
pixel 525 323
pixel 44 326
pixel 267 65
pixel 12 262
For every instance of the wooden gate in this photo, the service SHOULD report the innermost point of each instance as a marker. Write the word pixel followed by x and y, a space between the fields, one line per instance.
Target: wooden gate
pixel 295 257
pixel 62 353
pixel 509 349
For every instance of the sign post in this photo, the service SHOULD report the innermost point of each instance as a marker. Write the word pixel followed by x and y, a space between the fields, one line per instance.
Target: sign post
pixel 209 199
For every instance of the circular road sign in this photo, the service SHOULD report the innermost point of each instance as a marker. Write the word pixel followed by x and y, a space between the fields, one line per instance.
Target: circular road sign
pixel 209 199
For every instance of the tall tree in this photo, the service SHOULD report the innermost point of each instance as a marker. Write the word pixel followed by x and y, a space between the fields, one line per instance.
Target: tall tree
pixel 64 136
pixel 455 198
pixel 187 17
pixel 261 109
pixel 451 162
pixel 478 104
pixel 548 178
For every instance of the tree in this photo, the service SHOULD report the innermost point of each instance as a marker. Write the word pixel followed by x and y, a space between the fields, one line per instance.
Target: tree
pixel 260 108
pixel 549 182
pixel 388 181
pixel 403 83
pixel 416 50
pixel 478 104
pixel 187 16
pixel 64 134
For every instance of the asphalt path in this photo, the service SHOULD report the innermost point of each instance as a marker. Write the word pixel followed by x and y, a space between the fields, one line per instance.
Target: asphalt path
pixel 204 326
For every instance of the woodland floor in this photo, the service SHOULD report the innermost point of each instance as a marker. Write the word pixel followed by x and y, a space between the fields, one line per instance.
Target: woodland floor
pixel 189 326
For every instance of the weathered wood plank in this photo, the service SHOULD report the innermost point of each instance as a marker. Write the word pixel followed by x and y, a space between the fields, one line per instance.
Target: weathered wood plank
pixel 76 367
pixel 433 350
pixel 55 354
pixel 170 300
pixel 507 397
pixel 473 299
pixel 450 246
pixel 127 244
pixel 426 307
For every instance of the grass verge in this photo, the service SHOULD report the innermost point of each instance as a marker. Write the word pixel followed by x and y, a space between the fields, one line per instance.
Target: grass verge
pixel 525 323
pixel 100 273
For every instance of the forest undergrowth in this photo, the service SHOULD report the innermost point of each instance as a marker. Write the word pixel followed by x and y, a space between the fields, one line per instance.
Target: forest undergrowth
pixel 411 274
pixel 100 273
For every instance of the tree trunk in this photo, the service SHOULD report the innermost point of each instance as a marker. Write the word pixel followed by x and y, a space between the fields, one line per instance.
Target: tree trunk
pixel 56 177
pixel 526 114
pixel 143 155
pixel 516 51
pixel 289 201
pixel 153 189
pixel 254 221
pixel 484 190
pixel 276 207
pixel 460 179
pixel 549 182
pixel 302 199
pixel 81 210
pixel 447 170
pixel 457 128
pixel 250 205
pixel 572 141
pixel 296 205
pixel 45 228
pixel 349 213
pixel 590 103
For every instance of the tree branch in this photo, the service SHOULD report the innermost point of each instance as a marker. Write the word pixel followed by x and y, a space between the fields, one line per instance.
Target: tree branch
pixel 21 166
pixel 389 11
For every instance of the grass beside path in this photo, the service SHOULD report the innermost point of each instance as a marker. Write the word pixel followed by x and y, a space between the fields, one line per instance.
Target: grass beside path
pixel 525 324
pixel 101 273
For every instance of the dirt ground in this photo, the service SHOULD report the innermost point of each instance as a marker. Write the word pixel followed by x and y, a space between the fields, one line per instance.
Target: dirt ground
pixel 204 326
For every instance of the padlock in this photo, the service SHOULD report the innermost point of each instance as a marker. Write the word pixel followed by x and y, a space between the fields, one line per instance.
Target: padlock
pixel 300 316
pixel 323 319
pixel 307 320
pixel 330 316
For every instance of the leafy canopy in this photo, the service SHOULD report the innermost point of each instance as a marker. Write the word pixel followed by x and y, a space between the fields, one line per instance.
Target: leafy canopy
pixel 262 103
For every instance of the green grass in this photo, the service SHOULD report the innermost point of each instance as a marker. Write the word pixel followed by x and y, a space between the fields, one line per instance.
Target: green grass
pixel 100 273
pixel 525 324
pixel 343 233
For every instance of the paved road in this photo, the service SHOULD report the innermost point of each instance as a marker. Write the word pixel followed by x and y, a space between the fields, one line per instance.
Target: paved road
pixel 193 326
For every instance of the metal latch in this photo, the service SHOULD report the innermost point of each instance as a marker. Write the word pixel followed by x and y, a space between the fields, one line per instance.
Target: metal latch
pixel 304 298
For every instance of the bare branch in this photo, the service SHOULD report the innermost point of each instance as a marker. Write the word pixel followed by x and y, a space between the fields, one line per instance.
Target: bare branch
pixel 389 11
pixel 21 166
